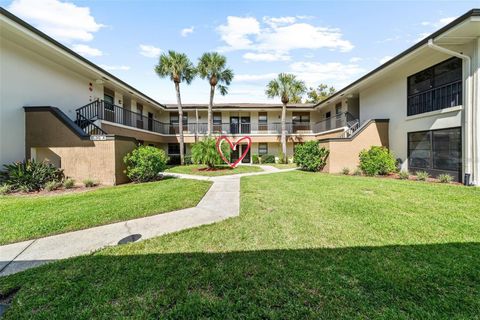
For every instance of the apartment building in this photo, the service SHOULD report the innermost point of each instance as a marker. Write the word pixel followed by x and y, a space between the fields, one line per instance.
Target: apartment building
pixel 422 104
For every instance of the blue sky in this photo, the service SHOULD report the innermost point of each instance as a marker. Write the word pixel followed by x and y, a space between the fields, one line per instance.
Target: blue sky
pixel 322 42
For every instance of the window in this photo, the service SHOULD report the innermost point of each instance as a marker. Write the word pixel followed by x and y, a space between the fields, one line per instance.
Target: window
pixel 338 108
pixel 262 121
pixel 174 118
pixel 435 88
pixel 301 117
pixel 328 115
pixel 438 151
pixel 217 118
pixel 262 149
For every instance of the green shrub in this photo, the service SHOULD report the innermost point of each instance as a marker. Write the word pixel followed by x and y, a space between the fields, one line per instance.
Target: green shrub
pixel 90 183
pixel 255 159
pixel 30 175
pixel 445 178
pixel 281 158
pixel 309 156
pixel 346 171
pixel 377 161
pixel 68 183
pixel 145 163
pixel 205 152
pixel 404 174
pixel 4 189
pixel 188 159
pixel 52 185
pixel 268 158
pixel 422 175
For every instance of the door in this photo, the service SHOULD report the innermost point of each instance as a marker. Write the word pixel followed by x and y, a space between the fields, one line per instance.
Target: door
pixel 235 154
pixel 139 116
pixel 328 121
pixel 234 125
pixel 245 125
pixel 109 108
pixel 150 121
pixel 247 156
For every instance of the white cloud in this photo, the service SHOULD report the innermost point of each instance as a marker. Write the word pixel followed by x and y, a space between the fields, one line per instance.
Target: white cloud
pixel 433 25
pixel 385 59
pixel 186 31
pixel 331 73
pixel 355 59
pixel 268 57
pixel 86 50
pixel 61 20
pixel 113 68
pixel 422 36
pixel 149 51
pixel 237 31
pixel 278 36
pixel 444 21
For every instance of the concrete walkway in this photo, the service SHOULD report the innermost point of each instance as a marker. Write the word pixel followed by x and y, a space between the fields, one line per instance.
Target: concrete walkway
pixel 222 201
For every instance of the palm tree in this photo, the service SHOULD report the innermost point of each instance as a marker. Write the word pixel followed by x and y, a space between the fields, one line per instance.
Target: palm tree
pixel 212 66
pixel 286 87
pixel 179 68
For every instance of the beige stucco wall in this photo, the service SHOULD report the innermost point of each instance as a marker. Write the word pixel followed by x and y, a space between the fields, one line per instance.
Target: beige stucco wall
pixel 344 153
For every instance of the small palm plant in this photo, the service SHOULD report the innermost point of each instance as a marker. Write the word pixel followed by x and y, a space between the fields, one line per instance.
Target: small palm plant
pixel 205 152
pixel 179 69
pixel 213 67
pixel 288 88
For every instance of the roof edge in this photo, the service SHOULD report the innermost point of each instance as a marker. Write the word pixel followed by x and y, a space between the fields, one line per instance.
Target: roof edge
pixel 471 13
pixel 31 28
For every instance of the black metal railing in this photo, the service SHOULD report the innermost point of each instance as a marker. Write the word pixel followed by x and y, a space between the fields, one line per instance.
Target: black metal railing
pixel 446 96
pixel 88 126
pixel 102 110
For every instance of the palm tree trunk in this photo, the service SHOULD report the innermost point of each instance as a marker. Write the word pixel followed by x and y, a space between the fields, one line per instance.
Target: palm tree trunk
pixel 284 131
pixel 180 123
pixel 210 107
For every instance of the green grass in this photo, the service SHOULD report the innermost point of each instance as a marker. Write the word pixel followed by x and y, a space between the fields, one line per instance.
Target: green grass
pixel 306 246
pixel 23 218
pixel 222 170
pixel 282 166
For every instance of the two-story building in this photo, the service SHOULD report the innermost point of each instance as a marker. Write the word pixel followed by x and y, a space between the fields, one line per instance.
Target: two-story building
pixel 422 104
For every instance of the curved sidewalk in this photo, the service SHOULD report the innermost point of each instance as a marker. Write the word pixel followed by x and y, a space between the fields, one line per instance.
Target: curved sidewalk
pixel 221 201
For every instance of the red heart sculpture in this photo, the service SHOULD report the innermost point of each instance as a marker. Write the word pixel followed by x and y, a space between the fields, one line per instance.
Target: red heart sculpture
pixel 233 146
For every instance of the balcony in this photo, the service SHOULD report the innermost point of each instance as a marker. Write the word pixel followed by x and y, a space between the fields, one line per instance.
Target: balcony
pixel 102 110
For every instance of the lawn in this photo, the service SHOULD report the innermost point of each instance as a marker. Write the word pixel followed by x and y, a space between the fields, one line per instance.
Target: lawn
pixel 23 218
pixel 282 165
pixel 222 170
pixel 306 245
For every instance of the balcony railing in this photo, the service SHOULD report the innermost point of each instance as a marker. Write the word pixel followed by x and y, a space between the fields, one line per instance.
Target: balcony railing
pixel 102 110
pixel 449 95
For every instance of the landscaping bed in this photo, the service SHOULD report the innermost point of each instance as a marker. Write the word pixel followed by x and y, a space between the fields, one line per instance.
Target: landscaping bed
pixel 219 170
pixel 29 217
pixel 305 246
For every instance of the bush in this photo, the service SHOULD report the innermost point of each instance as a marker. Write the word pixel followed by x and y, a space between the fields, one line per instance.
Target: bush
pixel 205 152
pixel 404 174
pixel 255 159
pixel 89 183
pixel 68 183
pixel 30 175
pixel 145 163
pixel 309 156
pixel 52 185
pixel 4 189
pixel 188 159
pixel 346 171
pixel 377 161
pixel 422 175
pixel 268 158
pixel 445 178
pixel 282 159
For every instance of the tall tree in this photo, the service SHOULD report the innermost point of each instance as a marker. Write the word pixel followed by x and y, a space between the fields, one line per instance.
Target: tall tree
pixel 213 67
pixel 320 93
pixel 179 69
pixel 286 87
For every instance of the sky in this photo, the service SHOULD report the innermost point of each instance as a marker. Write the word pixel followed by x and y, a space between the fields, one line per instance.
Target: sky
pixel 329 42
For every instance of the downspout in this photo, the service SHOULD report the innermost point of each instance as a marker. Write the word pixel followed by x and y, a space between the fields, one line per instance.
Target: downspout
pixel 468 106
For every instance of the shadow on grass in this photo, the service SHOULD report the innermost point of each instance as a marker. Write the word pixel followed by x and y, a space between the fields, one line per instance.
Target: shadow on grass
pixel 419 281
